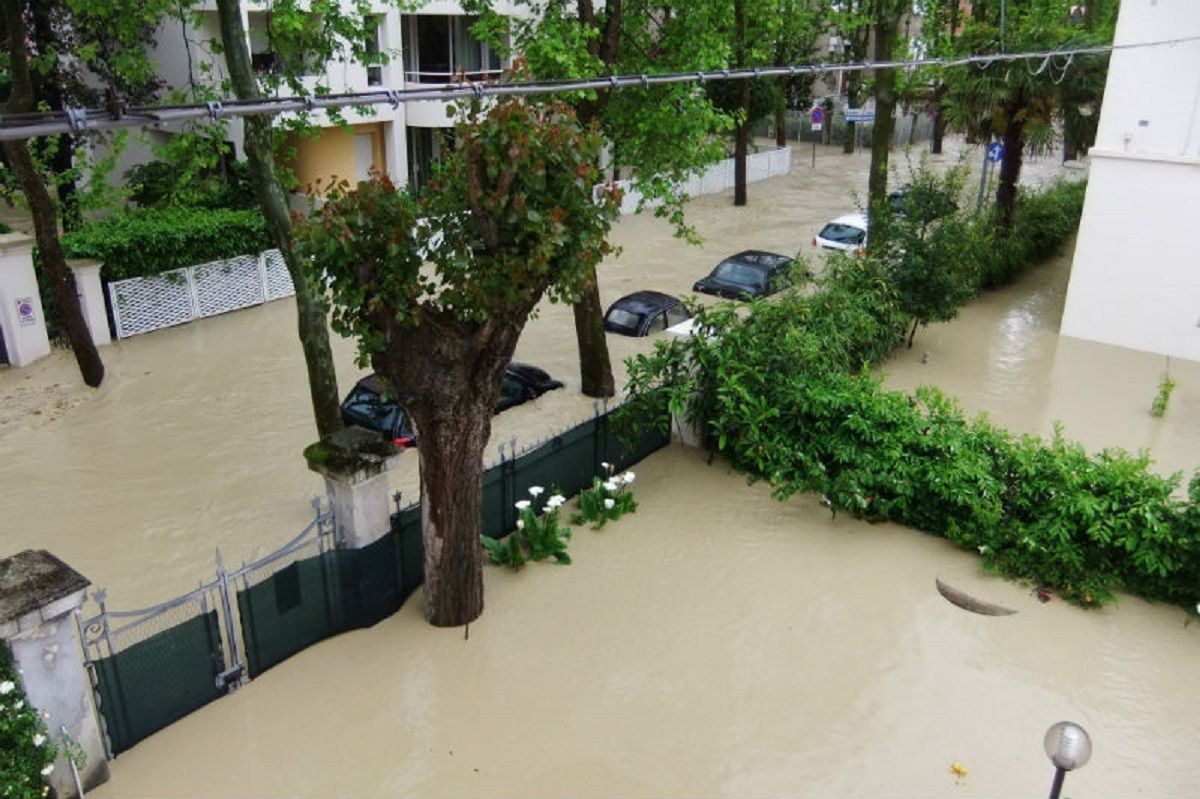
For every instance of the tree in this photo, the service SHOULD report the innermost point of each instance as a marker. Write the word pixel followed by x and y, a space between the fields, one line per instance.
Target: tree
pixel 515 219
pixel 798 24
pixel 851 19
pixel 45 216
pixel 658 134
pixel 1012 100
pixel 885 18
pixel 302 33
pixel 940 21
pixel 925 247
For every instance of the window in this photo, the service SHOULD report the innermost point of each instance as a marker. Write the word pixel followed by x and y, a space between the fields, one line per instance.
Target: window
pixel 676 315
pixel 374 71
pixel 843 234
pixel 441 49
pixel 624 320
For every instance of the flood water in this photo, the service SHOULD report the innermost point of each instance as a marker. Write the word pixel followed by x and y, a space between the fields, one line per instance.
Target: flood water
pixel 715 643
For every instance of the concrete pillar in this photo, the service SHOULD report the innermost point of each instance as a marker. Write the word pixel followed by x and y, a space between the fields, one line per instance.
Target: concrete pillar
pixel 354 463
pixel 22 322
pixel 91 299
pixel 39 595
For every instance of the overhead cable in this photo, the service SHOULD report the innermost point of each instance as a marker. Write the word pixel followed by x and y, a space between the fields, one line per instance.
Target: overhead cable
pixel 80 120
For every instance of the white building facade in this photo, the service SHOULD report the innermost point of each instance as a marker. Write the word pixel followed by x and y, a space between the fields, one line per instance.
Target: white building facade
pixel 1135 281
pixel 430 46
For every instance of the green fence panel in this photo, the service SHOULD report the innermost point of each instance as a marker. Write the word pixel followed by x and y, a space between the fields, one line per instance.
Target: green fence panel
pixel 497 506
pixel 160 680
pixel 567 462
pixel 371 581
pixel 407 526
pixel 294 608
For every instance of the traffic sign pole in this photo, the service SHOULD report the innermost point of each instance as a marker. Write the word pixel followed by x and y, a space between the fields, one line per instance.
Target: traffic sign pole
pixel 982 180
pixel 817 117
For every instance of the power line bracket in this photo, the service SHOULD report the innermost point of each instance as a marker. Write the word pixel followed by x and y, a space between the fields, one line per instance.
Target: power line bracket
pixel 215 109
pixel 393 98
pixel 77 118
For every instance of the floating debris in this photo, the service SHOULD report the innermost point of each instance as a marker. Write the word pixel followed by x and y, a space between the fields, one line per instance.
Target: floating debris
pixel 968 602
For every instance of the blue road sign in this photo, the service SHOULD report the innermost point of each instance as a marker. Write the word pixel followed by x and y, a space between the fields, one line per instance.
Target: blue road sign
pixel 995 152
pixel 817 115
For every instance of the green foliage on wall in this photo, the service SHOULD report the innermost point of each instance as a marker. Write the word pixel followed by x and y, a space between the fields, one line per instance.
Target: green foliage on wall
pixel 149 241
pixel 26 751
pixel 783 393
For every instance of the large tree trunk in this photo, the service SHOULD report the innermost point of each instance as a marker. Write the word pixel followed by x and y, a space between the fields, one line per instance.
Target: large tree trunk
pixel 886 24
pixel 448 378
pixel 853 81
pixel 45 220
pixel 1010 167
pixel 939 129
pixel 311 326
pixel 451 451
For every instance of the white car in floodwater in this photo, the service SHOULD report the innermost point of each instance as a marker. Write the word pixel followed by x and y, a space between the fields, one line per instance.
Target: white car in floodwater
pixel 847 233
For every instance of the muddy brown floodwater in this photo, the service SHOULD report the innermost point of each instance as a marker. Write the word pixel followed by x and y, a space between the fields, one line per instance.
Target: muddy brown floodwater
pixel 715 643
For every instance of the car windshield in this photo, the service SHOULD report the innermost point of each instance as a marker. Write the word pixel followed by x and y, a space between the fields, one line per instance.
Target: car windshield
pixel 842 234
pixel 370 411
pixel 623 319
pixel 739 274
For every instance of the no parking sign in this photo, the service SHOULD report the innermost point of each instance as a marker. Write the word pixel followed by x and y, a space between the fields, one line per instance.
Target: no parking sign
pixel 817 117
pixel 26 316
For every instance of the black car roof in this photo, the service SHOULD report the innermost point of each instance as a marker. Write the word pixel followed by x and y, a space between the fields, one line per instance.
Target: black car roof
pixel 643 302
pixel 760 258
pixel 374 383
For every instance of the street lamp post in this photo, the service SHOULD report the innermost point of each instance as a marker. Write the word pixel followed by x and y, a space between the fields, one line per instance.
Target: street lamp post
pixel 1069 747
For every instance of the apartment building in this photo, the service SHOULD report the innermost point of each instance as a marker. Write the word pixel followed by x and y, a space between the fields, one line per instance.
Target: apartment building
pixel 431 46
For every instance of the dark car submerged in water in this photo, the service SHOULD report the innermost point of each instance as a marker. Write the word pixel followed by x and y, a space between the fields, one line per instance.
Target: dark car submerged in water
pixel 368 404
pixel 748 274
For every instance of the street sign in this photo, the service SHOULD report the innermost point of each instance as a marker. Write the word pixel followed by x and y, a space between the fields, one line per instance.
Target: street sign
pixel 860 115
pixel 817 116
pixel 816 126
pixel 995 152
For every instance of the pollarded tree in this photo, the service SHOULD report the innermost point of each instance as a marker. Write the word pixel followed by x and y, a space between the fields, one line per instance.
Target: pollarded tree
pixel 885 22
pixel 438 312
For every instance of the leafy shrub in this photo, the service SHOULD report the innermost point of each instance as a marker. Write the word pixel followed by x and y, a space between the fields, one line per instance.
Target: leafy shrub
pixel 146 242
pixel 26 752
pixel 783 394
pixel 159 184
pixel 5 228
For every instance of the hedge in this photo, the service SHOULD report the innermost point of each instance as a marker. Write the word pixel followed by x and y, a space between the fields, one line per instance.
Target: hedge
pixel 784 395
pixel 146 242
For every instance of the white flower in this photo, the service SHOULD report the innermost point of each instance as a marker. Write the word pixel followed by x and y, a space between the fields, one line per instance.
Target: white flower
pixel 555 501
pixel 628 477
pixel 20 703
pixel 610 485
pixel 520 524
pixel 608 503
pixel 7 687
pixel 606 466
pixel 522 504
pixel 39 739
pixel 46 771
pixel 535 490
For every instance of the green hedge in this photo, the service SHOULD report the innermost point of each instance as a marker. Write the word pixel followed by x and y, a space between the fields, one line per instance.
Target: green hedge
pixel 149 241
pixel 784 395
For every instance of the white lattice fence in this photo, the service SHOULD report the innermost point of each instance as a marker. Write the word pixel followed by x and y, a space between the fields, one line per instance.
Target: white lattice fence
pixel 142 304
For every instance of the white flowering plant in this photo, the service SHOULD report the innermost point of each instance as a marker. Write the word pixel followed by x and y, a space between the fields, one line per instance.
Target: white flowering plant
pixel 609 498
pixel 538 535
pixel 26 751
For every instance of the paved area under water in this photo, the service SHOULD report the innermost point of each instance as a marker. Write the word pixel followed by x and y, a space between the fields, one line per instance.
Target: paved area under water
pixel 811 657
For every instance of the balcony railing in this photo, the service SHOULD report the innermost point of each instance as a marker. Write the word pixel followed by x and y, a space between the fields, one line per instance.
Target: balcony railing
pixel 458 76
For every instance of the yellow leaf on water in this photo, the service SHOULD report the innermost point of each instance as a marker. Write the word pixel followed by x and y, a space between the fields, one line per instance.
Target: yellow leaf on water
pixel 958 769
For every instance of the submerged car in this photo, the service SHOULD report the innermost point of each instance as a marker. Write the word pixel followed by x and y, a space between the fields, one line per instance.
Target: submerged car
pixel 847 233
pixel 643 313
pixel 748 274
pixel 368 404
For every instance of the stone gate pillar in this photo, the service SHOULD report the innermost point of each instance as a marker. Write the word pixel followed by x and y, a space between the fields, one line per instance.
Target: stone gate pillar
pixel 91 299
pixel 39 595
pixel 355 463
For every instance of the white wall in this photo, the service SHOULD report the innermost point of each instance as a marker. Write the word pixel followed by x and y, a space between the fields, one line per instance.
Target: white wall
pixel 1135 281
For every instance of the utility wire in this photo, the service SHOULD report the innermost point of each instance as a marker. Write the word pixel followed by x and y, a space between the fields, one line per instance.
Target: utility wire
pixel 82 120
